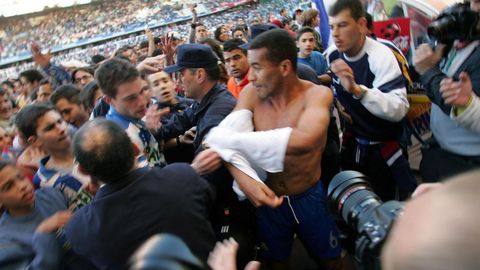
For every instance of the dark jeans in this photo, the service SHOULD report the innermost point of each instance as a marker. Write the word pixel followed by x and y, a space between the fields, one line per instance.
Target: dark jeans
pixel 438 164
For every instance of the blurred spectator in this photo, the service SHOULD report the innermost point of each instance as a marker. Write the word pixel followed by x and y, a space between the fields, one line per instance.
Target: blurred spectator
pixel 82 76
pixel 44 91
pixel 66 100
pixel 311 18
pixel 221 34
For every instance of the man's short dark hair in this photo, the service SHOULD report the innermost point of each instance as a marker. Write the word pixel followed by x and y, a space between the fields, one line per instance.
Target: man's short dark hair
pixel 355 6
pixel 113 73
pixel 303 30
pixel 69 92
pixel 234 44
pixel 279 44
pixel 104 150
pixel 122 50
pixel 143 44
pixel 199 24
pixel 44 82
pixel 31 75
pixel 26 119
pixel 8 83
pixel 97 58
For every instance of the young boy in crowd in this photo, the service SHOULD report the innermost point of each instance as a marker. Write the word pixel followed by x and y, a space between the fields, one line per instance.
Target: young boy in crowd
pixel 30 223
pixel 307 55
pixel 43 127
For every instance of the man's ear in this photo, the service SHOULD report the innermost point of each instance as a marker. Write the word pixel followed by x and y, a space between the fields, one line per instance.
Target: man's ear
pixel 201 75
pixel 285 67
pixel 81 169
pixel 107 99
pixel 363 25
pixel 34 141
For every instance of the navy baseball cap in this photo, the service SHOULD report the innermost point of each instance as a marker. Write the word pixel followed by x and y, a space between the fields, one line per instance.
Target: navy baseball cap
pixel 193 56
pixel 256 30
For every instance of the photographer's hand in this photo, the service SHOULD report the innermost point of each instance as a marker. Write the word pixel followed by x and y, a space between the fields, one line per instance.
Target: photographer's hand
pixel 457 93
pixel 425 58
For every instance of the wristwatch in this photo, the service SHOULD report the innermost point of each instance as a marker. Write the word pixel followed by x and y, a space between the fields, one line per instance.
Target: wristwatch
pixel 363 91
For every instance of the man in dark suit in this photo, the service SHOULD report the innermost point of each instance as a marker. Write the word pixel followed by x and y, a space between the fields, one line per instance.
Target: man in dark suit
pixel 133 203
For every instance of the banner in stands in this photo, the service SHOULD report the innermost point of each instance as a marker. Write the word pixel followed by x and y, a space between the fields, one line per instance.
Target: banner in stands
pixel 396 30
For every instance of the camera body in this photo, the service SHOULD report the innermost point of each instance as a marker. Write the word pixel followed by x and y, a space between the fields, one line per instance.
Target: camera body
pixel 457 22
pixel 351 198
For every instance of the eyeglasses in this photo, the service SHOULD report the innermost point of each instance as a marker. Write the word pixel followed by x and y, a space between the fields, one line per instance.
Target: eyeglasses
pixel 83 78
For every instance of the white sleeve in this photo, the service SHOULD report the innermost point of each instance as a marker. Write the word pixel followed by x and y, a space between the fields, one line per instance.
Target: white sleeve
pixel 470 118
pixel 264 148
pixel 387 99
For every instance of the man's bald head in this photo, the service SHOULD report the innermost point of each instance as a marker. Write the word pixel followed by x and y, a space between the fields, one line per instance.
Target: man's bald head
pixel 103 150
pixel 438 230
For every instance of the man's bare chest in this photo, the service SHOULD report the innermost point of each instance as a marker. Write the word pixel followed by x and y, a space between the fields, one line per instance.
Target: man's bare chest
pixel 266 118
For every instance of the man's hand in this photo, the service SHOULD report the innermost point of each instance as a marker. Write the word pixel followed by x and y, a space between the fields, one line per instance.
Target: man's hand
pixel 260 194
pixel 346 76
pixel 43 60
pixel 223 256
pixel 148 33
pixel 54 222
pixel 206 161
pixel 153 116
pixel 168 47
pixel 189 136
pixel 457 93
pixel 152 64
pixel 425 58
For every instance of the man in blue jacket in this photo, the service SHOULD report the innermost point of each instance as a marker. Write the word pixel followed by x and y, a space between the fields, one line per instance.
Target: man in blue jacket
pixel 133 204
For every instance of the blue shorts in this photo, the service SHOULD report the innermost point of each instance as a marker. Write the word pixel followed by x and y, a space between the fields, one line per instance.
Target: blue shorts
pixel 307 216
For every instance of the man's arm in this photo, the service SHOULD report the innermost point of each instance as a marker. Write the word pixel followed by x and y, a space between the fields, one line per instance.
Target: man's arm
pixel 313 123
pixel 45 244
pixel 191 38
pixel 258 193
pixel 151 41
pixel 387 99
pixel 426 63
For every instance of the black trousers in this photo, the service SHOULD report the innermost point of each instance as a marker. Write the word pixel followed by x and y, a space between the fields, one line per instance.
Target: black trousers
pixel 438 164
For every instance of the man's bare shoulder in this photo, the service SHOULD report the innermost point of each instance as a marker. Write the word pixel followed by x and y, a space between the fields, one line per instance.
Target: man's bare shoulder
pixel 248 98
pixel 317 93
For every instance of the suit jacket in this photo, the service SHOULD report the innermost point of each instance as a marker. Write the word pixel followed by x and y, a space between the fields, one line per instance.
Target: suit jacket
pixel 173 199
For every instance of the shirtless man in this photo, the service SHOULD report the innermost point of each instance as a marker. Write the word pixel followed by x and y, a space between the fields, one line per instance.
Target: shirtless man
pixel 293 200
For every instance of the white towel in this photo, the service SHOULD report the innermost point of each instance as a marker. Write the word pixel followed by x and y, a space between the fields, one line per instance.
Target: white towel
pixel 251 152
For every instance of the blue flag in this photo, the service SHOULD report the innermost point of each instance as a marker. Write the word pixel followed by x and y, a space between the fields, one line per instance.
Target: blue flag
pixel 324 27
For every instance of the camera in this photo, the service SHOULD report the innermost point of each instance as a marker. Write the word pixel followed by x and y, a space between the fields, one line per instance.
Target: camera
pixel 351 199
pixel 457 22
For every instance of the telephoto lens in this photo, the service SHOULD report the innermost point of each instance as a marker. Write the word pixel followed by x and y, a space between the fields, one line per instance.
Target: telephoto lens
pixel 351 199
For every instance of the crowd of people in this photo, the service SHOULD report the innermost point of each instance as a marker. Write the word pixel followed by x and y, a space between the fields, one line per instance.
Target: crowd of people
pixel 15 41
pixel 84 22
pixel 230 131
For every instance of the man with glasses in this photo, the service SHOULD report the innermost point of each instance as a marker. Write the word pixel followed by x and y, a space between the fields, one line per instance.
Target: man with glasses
pixel 82 76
